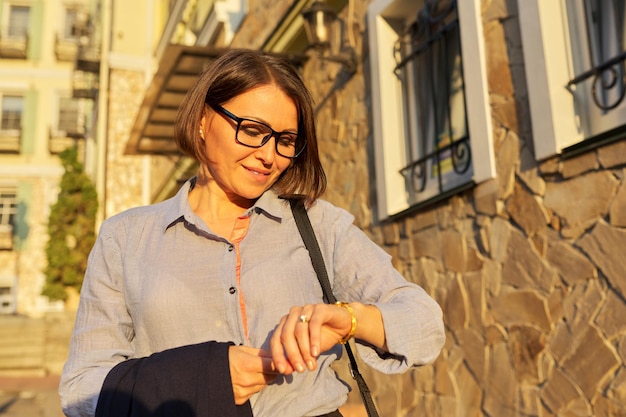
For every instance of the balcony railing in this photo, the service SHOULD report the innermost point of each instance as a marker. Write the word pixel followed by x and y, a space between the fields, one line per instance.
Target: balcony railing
pixel 14 47
pixel 10 141
pixel 6 237
pixel 60 140
pixel 65 49
pixel 85 80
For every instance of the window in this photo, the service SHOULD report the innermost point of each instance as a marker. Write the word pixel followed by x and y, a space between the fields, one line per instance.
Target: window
pixel 73 25
pixel 429 66
pixel 72 21
pixel 429 142
pixel 7 300
pixel 12 107
pixel 11 122
pixel 597 38
pixel 69 116
pixel 19 17
pixel 14 30
pixel 574 54
pixel 68 126
pixel 8 211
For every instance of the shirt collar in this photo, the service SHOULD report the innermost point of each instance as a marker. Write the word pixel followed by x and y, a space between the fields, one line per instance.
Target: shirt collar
pixel 179 208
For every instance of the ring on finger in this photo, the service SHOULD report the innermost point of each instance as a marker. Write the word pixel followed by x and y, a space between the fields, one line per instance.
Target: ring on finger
pixel 304 318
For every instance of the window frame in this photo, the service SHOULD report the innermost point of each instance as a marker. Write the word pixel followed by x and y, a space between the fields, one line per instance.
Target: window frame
pixel 58 107
pixel 6 23
pixel 11 139
pixel 66 34
pixel 546 41
pixel 11 132
pixel 7 216
pixel 389 126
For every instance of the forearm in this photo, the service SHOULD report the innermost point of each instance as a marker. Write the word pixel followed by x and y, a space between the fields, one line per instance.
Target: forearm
pixel 414 333
pixel 369 325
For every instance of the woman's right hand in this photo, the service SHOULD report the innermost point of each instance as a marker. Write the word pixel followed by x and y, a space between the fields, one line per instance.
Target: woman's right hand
pixel 251 370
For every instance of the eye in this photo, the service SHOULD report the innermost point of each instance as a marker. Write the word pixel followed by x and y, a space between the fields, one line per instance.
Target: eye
pixel 287 140
pixel 253 129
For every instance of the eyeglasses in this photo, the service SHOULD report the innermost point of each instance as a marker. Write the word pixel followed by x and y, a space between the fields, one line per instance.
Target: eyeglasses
pixel 255 134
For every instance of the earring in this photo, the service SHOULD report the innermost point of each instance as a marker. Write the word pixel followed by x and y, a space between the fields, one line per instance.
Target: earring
pixel 201 134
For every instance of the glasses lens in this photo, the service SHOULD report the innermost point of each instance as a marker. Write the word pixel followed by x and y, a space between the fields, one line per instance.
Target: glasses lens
pixel 255 134
pixel 252 133
pixel 287 145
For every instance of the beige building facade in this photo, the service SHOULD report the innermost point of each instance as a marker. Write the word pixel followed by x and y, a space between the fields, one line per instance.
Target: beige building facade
pixel 40 117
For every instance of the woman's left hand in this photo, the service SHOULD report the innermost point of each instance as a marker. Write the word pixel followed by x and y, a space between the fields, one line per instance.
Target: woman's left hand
pixel 305 332
pixel 308 330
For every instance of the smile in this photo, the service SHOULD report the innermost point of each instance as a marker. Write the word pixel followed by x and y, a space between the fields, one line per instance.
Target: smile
pixel 257 172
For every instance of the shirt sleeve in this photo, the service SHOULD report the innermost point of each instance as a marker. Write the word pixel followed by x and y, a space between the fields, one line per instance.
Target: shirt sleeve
pixel 362 271
pixel 103 330
pixel 103 363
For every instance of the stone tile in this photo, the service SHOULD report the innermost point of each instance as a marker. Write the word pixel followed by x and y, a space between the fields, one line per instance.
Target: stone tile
pixel 500 232
pixel 469 395
pixel 526 211
pixel 579 202
pixel 573 167
pixel 529 173
pixel 474 284
pixel 572 265
pixel 530 400
pixel 500 389
pixel 612 155
pixel 559 391
pixel 474 349
pixel 456 314
pixel 521 307
pixel 617 212
pixel 428 243
pixel 605 247
pixel 454 250
pixel 524 268
pixel 526 344
pixel 507 157
pixel 612 317
pixel 591 361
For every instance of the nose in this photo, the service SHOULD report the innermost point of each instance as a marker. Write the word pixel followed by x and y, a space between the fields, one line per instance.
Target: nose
pixel 267 153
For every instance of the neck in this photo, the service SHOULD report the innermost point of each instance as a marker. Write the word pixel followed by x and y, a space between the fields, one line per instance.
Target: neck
pixel 213 205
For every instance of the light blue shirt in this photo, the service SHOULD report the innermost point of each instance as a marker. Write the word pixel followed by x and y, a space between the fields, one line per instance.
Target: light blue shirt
pixel 158 278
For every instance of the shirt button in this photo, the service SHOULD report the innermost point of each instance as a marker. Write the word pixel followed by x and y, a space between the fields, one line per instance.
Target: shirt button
pixel 232 290
pixel 230 248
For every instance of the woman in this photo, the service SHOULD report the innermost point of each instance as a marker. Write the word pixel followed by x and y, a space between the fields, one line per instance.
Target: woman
pixel 222 262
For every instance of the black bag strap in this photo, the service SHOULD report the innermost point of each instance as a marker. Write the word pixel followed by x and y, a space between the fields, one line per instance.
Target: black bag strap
pixel 310 242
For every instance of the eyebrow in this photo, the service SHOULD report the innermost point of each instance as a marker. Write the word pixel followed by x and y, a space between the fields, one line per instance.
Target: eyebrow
pixel 230 114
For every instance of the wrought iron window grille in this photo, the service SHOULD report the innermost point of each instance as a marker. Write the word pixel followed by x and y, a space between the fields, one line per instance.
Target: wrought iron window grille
pixel 434 35
pixel 609 76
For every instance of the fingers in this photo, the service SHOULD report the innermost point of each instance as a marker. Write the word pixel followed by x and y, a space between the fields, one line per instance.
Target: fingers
pixel 278 353
pixel 251 370
pixel 295 342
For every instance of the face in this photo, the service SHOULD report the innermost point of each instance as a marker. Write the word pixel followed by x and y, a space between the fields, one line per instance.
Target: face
pixel 237 171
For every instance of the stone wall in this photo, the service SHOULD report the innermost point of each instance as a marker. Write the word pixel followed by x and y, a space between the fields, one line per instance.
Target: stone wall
pixel 124 175
pixel 527 267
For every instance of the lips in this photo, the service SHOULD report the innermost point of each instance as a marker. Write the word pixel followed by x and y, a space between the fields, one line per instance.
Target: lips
pixel 256 171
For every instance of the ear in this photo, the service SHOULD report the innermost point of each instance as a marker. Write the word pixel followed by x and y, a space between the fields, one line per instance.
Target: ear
pixel 202 128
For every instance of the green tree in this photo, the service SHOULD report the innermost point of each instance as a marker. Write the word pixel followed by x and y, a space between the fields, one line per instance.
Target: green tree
pixel 71 229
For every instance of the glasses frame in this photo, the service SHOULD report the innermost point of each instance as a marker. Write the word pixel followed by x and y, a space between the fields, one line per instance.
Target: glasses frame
pixel 273 134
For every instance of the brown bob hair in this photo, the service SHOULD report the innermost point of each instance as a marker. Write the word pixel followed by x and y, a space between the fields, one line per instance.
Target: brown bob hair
pixel 235 72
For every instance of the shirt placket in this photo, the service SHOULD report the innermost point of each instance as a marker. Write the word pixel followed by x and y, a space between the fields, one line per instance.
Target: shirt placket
pixel 239 232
